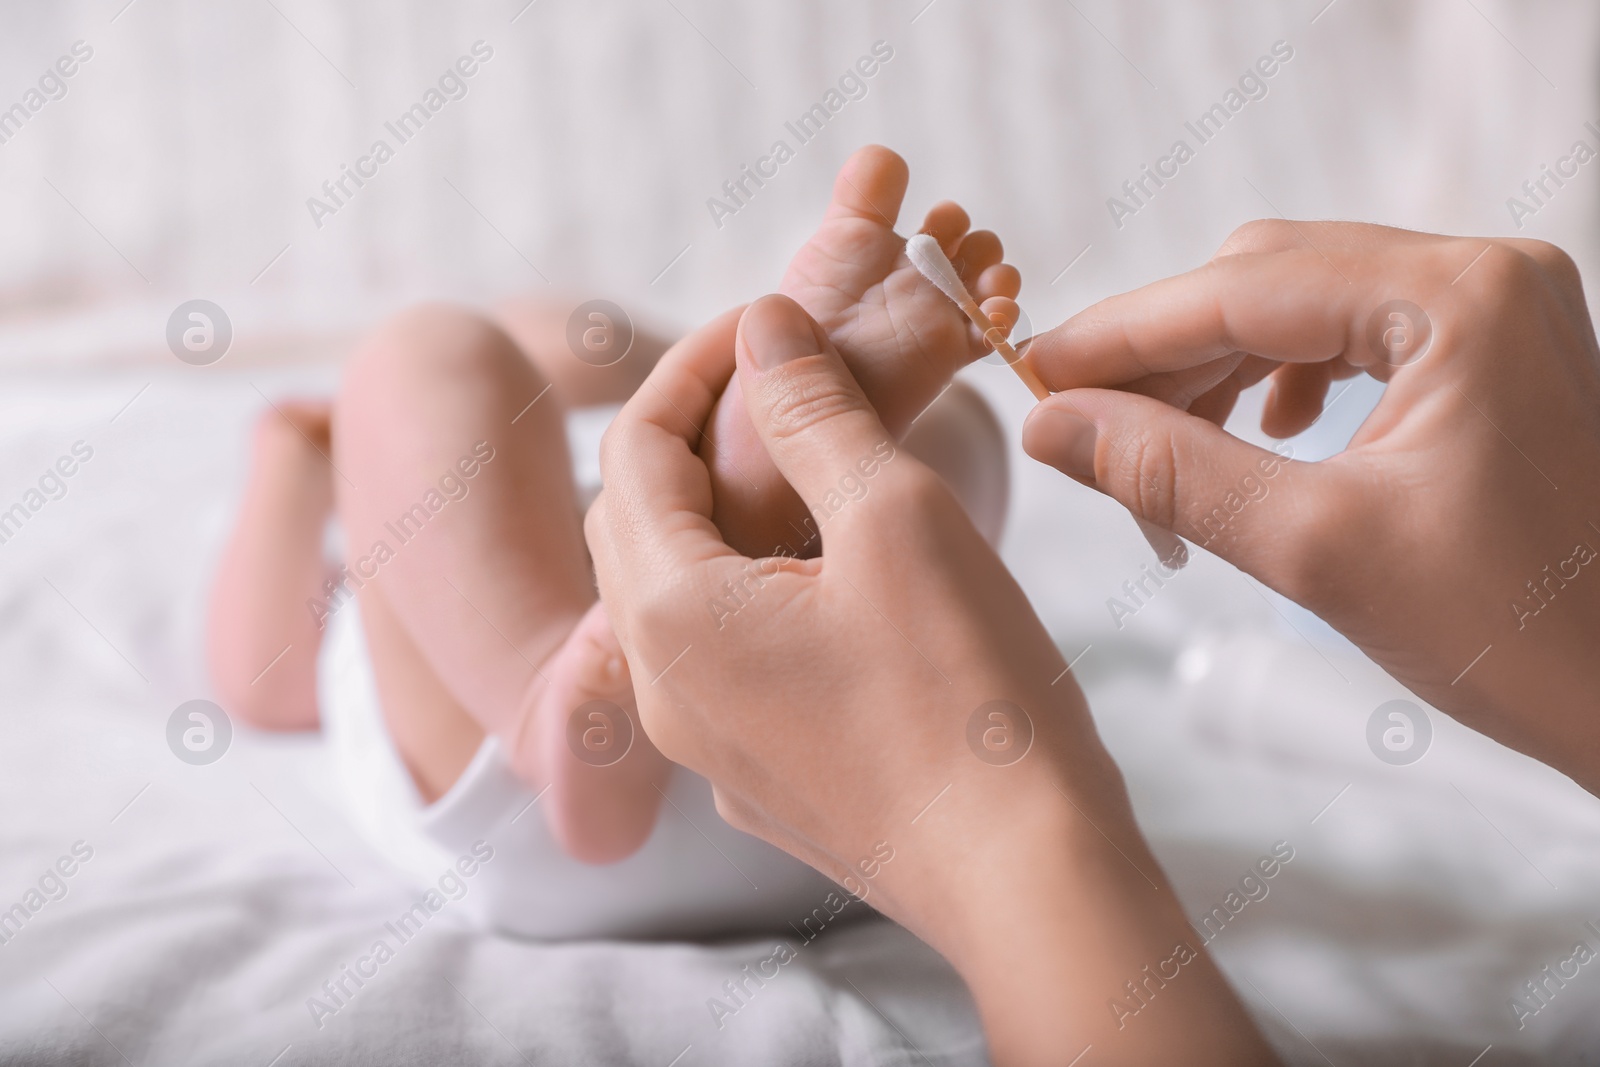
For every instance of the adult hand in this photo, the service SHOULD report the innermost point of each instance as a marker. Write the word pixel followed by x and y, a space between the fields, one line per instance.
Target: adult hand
pixel 1455 539
pixel 832 707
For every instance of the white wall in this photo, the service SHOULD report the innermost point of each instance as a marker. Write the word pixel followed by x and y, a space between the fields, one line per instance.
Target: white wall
pixel 591 141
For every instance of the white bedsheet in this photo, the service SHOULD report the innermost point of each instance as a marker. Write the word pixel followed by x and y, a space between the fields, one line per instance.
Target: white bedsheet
pixel 219 898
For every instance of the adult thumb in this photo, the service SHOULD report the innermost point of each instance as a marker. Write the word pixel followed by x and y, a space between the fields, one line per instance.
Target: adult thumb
pixel 1249 505
pixel 822 434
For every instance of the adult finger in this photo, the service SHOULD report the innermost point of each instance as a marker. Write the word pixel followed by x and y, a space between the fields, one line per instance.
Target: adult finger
pixel 655 509
pixel 1295 400
pixel 1182 473
pixel 824 437
pixel 1291 306
pixel 1328 237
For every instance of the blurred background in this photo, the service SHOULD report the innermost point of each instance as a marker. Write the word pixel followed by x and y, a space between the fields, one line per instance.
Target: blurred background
pixel 185 158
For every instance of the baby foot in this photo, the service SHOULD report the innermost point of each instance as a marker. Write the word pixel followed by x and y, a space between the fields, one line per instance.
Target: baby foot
pixel 272 558
pixel 582 742
pixel 290 462
pixel 901 338
pixel 297 425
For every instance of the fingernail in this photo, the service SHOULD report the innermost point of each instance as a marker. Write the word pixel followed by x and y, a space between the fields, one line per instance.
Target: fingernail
pixel 777 331
pixel 1065 440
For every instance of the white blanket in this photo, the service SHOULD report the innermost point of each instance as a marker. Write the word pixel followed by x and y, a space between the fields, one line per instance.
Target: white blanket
pixel 218 899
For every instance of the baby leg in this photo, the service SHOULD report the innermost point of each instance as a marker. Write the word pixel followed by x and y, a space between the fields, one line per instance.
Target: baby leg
pixel 261 638
pixel 539 325
pixel 456 496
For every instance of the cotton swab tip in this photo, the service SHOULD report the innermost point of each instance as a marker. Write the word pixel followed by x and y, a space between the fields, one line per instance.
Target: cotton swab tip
pixel 926 255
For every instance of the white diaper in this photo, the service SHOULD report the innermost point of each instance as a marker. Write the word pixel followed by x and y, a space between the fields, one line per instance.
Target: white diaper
pixel 695 877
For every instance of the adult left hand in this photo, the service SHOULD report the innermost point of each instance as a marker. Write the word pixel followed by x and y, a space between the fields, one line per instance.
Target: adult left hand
pixel 892 713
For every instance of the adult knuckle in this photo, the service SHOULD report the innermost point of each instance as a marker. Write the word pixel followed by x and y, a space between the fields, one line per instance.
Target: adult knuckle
pixel 1150 478
pixel 601 670
pixel 1559 267
pixel 799 403
pixel 623 442
pixel 596 530
pixel 663 604
pixel 616 443
pixel 594 522
pixel 1521 288
pixel 1502 278
pixel 1550 256
pixel 1257 235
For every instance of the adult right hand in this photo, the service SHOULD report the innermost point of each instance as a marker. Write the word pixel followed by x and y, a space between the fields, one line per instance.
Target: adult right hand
pixel 1455 540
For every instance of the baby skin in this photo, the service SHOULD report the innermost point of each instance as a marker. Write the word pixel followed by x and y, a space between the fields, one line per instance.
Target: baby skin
pixel 901 338
pixel 449 429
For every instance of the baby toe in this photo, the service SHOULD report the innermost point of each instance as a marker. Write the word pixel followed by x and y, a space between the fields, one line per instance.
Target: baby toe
pixel 946 222
pixel 1001 310
pixel 871 185
pixel 978 251
pixel 999 279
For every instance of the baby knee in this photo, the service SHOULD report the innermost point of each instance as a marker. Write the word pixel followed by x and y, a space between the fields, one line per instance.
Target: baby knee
pixel 431 341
